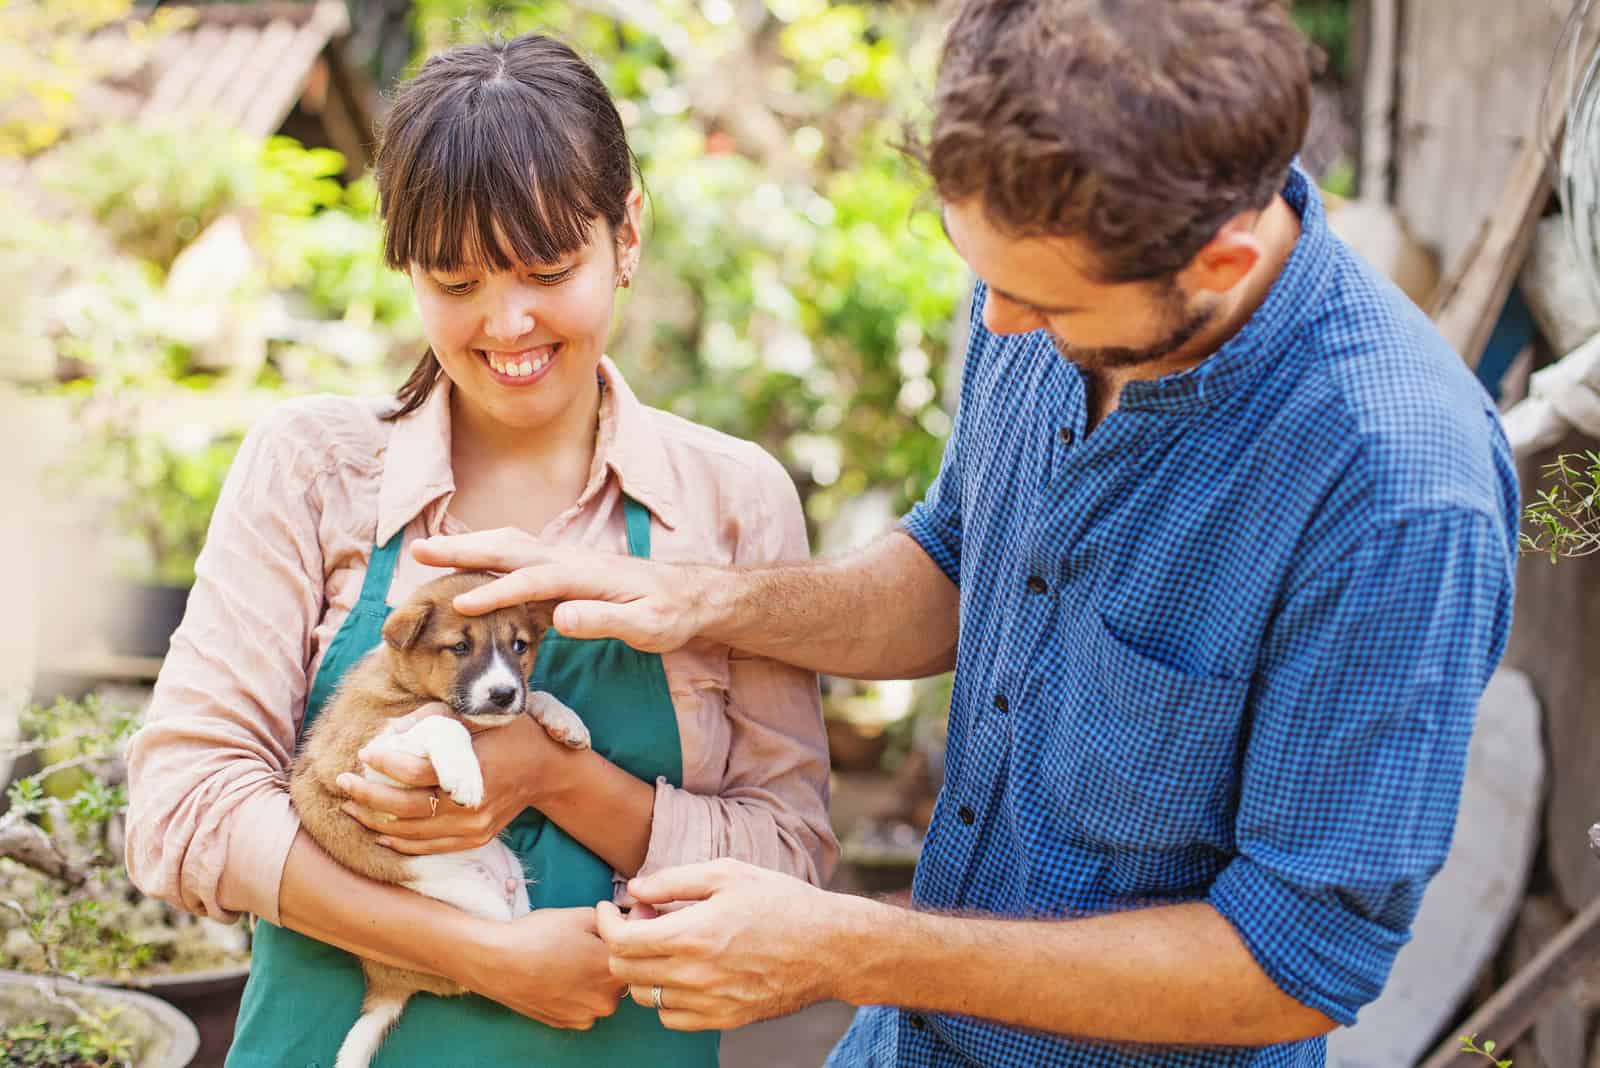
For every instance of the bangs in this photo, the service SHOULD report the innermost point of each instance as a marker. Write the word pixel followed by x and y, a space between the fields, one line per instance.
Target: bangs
pixel 488 181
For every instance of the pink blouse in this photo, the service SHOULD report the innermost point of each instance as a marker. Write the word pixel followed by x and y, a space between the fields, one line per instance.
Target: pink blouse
pixel 315 485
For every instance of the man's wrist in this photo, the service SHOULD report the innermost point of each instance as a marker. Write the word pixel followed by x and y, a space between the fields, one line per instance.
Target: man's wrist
pixel 862 932
pixel 715 605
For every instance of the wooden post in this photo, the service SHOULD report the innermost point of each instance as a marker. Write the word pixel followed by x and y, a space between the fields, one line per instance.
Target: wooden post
pixel 1469 302
pixel 1379 67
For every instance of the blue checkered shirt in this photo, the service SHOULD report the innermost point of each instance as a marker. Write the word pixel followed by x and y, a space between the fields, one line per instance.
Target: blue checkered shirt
pixel 1225 648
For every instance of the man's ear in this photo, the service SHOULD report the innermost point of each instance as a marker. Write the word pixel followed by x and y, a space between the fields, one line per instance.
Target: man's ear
pixel 405 625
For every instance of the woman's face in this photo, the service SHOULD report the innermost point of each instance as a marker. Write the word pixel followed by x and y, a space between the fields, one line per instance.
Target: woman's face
pixel 521 346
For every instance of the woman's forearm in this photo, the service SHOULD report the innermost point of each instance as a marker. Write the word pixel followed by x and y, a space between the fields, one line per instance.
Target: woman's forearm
pixel 605 808
pixel 324 900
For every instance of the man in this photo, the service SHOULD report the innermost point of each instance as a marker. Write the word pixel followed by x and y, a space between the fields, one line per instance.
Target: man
pixel 1221 550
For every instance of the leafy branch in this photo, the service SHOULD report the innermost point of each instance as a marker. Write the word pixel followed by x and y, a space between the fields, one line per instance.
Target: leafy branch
pixel 1469 1044
pixel 1564 516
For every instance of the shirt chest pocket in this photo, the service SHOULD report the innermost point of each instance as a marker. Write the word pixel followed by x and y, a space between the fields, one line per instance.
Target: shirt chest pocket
pixel 1150 750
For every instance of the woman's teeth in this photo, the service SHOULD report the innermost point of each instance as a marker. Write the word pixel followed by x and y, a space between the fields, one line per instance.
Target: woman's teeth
pixel 518 364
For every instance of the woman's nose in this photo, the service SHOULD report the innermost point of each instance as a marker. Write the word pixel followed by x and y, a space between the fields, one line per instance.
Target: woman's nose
pixel 512 319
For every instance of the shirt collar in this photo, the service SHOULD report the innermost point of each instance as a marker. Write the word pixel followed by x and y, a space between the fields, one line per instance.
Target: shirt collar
pixel 1294 299
pixel 631 447
pixel 416 468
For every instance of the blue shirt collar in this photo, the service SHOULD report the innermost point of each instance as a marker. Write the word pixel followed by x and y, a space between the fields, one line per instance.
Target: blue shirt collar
pixel 1293 300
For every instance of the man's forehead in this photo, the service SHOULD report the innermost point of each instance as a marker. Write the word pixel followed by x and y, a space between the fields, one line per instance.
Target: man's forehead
pixel 1023 270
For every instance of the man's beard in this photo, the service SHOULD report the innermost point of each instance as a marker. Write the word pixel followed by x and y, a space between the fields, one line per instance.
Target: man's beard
pixel 1181 324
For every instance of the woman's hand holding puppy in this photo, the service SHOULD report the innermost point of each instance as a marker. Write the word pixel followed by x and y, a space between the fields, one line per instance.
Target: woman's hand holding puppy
pixel 420 819
pixel 568 982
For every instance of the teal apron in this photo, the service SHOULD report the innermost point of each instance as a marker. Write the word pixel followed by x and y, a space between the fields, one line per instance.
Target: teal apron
pixel 303 995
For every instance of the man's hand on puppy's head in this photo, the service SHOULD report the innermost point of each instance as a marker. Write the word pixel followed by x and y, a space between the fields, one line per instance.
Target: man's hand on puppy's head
pixel 654 607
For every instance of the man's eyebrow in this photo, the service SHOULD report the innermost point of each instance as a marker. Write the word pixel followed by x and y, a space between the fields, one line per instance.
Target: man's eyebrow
pixel 1066 309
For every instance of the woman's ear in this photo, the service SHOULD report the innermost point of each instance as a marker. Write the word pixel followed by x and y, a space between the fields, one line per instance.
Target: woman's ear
pixel 629 234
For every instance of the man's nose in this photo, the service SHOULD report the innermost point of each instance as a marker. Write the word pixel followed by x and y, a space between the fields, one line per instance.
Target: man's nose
pixel 1001 316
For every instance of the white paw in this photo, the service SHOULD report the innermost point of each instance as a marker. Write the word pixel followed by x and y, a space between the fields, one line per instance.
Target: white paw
pixel 461 779
pixel 559 721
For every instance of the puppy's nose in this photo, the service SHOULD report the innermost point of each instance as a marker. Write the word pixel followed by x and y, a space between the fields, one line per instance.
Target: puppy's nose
pixel 502 696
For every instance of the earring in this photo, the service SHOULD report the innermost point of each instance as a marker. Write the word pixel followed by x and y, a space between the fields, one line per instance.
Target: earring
pixel 625 279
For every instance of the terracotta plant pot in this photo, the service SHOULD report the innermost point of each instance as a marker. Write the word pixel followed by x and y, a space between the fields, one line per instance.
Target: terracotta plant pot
pixel 163 1037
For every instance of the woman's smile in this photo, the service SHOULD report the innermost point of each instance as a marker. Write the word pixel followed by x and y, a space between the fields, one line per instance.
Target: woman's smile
pixel 522 367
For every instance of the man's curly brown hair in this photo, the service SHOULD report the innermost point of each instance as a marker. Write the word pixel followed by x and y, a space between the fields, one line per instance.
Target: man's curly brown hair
pixel 1136 126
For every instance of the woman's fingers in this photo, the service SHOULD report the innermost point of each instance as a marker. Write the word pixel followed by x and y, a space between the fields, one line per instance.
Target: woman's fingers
pixel 391 800
pixel 427 846
pixel 414 771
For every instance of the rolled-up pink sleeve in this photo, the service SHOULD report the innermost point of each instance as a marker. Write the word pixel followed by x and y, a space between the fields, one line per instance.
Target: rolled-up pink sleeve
pixel 772 806
pixel 209 818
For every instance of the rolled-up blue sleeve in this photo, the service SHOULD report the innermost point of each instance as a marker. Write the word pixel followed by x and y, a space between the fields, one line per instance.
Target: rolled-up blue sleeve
pixel 1359 723
pixel 935 521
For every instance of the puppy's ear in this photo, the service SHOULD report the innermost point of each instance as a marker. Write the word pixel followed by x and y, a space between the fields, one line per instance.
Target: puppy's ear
pixel 405 625
pixel 541 616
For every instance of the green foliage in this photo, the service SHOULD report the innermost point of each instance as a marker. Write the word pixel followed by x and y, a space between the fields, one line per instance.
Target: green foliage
pixel 129 339
pixel 160 494
pixel 1327 22
pixel 95 1039
pixel 51 50
pixel 154 189
pixel 1340 179
pixel 1469 1044
pixel 1563 516
pixel 75 798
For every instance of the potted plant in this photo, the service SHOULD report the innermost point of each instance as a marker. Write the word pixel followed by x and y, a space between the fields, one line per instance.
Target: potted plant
pixel 66 906
pixel 52 1021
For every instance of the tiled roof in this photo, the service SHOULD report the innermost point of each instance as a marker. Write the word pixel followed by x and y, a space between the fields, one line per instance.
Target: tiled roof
pixel 246 65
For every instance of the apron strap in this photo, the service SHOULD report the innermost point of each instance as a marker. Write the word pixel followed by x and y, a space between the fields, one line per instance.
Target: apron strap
pixel 380 569
pixel 638 520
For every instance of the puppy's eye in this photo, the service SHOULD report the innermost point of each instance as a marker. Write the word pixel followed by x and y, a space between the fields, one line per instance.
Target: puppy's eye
pixel 460 648
pixel 519 646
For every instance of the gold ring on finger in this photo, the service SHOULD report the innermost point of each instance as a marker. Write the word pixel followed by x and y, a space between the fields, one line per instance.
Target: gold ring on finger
pixel 655 997
pixel 433 805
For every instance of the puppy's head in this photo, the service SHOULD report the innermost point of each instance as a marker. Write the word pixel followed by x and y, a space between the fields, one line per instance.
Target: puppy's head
pixel 478 665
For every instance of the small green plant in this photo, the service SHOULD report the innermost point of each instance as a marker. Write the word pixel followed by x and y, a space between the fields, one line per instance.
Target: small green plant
pixel 1469 1044
pixel 66 905
pixel 1564 518
pixel 57 858
pixel 94 1039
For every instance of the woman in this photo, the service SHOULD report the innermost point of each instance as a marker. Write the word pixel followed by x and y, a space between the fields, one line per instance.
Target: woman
pixel 506 190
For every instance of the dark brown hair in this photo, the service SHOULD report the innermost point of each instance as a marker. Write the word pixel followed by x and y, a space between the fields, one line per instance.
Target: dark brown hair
pixel 1138 126
pixel 494 155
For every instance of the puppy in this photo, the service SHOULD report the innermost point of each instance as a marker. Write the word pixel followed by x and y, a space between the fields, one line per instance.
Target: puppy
pixel 479 666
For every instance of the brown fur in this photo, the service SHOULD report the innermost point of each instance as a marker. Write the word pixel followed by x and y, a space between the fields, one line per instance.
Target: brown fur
pixel 412 667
